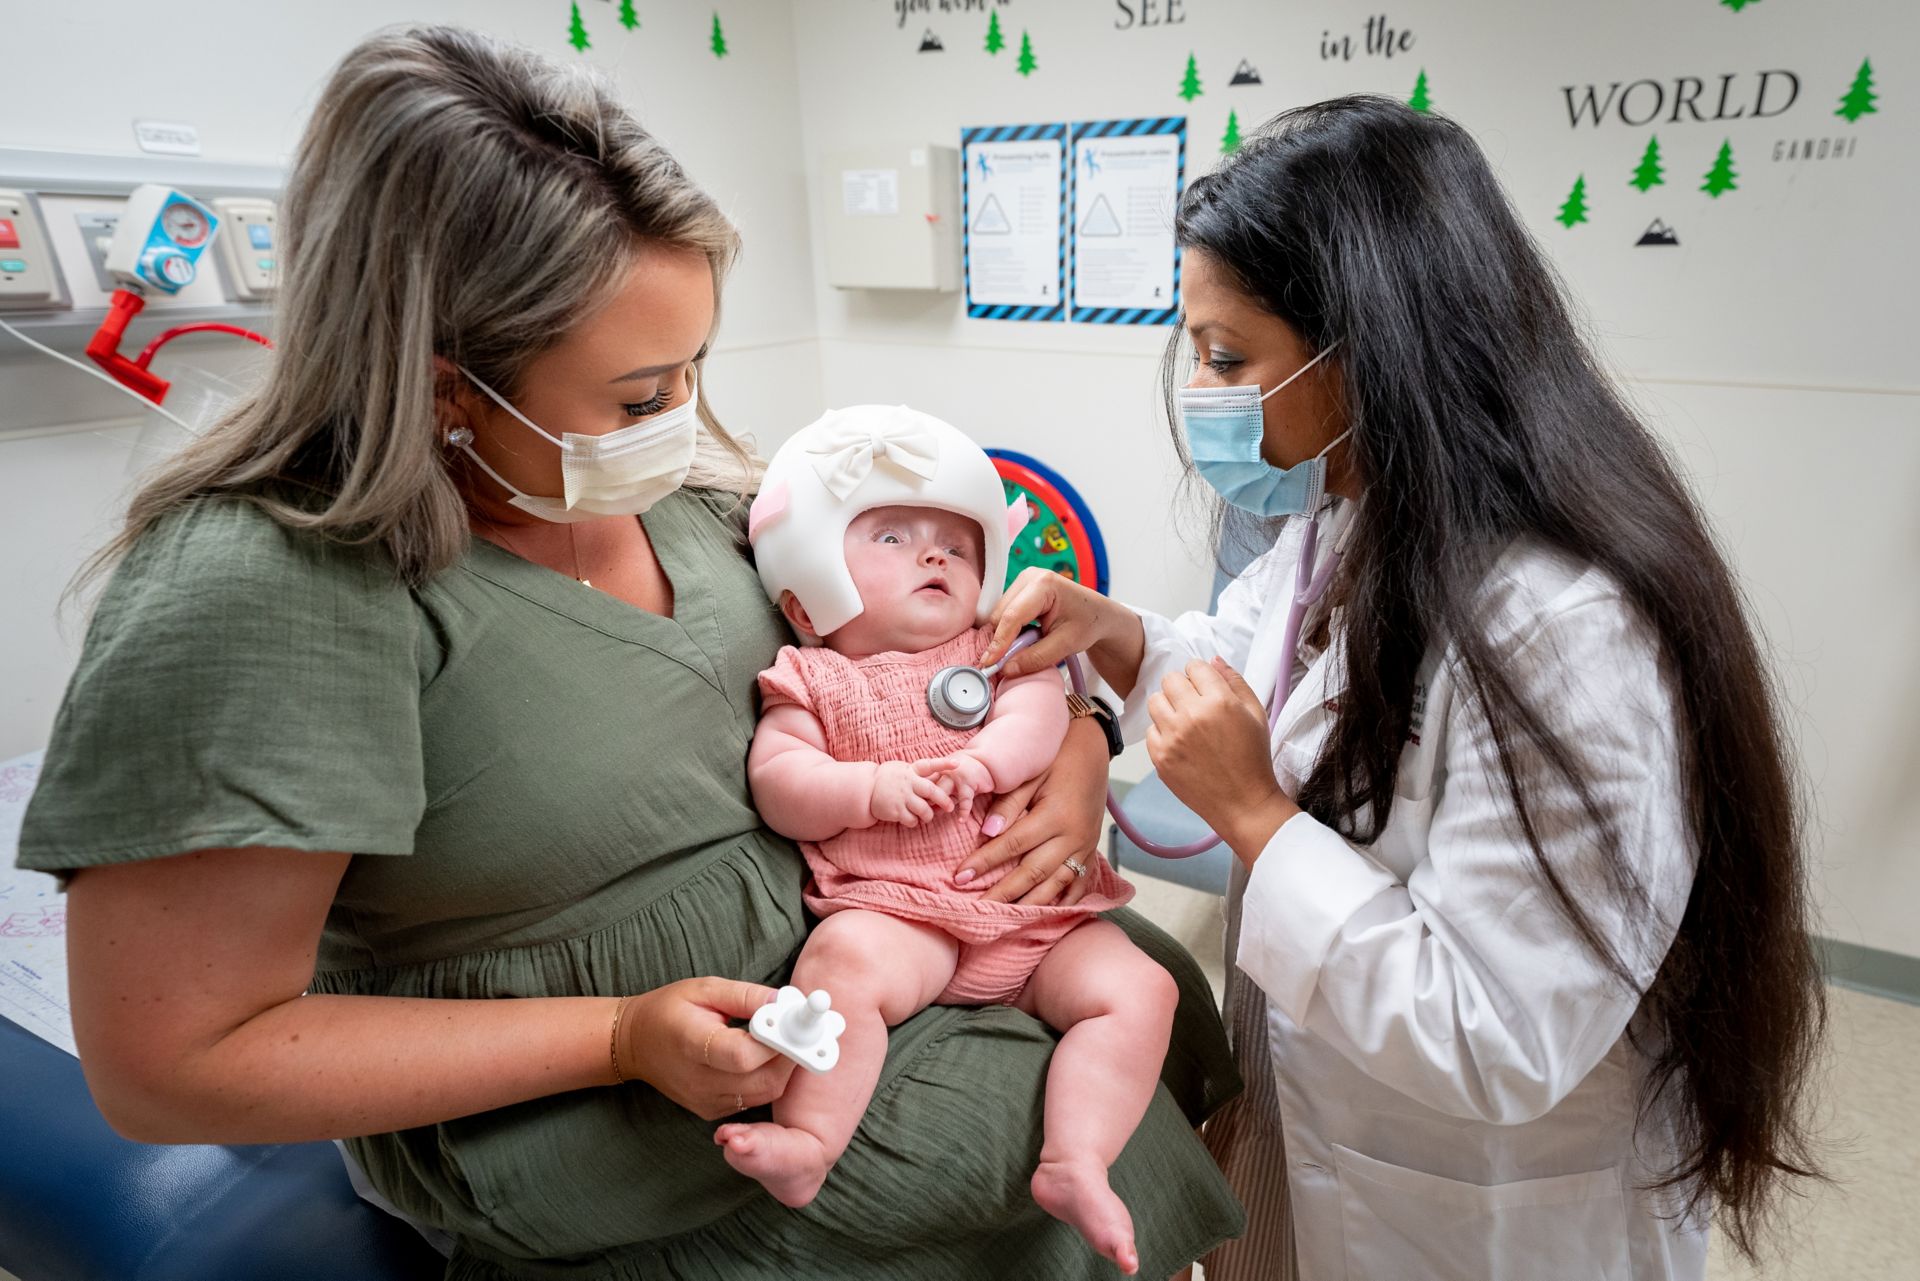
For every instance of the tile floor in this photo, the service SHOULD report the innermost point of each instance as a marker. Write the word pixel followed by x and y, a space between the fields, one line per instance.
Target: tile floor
pixel 1866 1225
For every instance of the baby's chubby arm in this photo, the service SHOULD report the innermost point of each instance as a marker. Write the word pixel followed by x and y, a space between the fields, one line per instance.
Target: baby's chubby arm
pixel 1024 733
pixel 804 794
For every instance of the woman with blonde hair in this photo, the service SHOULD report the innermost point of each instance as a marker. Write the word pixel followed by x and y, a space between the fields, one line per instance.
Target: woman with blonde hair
pixel 425 679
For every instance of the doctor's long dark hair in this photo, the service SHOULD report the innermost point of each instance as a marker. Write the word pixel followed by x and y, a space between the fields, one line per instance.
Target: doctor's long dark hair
pixel 1480 417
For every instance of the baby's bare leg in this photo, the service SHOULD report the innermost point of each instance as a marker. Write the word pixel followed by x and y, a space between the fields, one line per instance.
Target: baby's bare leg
pixel 880 971
pixel 1115 1006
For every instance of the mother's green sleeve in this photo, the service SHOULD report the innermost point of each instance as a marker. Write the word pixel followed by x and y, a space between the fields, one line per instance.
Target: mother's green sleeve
pixel 241 684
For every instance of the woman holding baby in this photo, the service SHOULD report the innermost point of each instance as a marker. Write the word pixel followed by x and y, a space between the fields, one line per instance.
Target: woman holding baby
pixel 427 679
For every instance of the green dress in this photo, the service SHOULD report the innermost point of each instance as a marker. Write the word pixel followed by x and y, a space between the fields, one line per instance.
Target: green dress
pixel 545 792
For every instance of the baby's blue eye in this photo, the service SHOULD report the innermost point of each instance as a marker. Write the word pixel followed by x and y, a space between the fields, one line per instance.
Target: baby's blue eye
pixel 889 538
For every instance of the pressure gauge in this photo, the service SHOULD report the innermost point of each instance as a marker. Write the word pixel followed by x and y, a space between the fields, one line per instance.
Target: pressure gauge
pixel 185 224
pixel 170 269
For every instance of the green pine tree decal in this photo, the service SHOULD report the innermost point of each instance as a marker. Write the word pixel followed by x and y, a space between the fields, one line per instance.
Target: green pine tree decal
pixel 1575 209
pixel 628 18
pixel 1649 175
pixel 1026 64
pixel 1721 177
pixel 995 41
pixel 1859 99
pixel 1420 101
pixel 1738 5
pixel 1230 141
pixel 719 38
pixel 577 33
pixel 1190 87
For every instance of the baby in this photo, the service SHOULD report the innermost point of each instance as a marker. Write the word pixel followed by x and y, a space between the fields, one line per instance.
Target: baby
pixel 883 535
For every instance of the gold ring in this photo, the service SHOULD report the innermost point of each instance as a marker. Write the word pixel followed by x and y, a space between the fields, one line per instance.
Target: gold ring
pixel 1079 868
pixel 709 1045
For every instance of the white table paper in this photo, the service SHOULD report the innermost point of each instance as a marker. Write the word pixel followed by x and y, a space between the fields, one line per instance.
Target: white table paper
pixel 33 923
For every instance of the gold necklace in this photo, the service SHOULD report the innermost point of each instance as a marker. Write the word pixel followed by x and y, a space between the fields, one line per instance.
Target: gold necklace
pixel 573 545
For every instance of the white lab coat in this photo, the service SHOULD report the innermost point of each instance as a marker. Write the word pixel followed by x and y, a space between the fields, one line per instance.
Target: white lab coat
pixel 1458 1091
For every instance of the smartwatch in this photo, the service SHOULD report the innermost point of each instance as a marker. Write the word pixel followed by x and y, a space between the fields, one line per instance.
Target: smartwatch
pixel 1102 714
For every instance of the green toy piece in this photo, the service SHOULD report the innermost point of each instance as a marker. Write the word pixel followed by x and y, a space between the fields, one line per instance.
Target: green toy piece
pixel 1859 99
pixel 719 44
pixel 628 18
pixel 1190 87
pixel 1721 177
pixel 1649 175
pixel 1575 209
pixel 1420 101
pixel 995 41
pixel 1738 5
pixel 1230 143
pixel 577 32
pixel 1026 64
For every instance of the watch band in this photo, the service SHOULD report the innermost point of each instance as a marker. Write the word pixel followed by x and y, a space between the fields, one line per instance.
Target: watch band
pixel 1102 714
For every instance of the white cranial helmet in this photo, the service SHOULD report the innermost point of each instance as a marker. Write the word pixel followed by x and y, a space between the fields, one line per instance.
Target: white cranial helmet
pixel 853 460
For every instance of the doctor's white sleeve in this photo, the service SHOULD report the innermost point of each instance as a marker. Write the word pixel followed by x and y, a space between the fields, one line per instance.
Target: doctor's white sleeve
pixel 1466 988
pixel 1172 643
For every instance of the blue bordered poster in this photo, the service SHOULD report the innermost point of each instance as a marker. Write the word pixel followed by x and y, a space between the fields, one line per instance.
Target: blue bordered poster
pixel 1013 198
pixel 1123 266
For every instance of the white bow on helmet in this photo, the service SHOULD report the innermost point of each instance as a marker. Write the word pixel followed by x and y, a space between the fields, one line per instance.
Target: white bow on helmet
pixel 853 460
pixel 844 451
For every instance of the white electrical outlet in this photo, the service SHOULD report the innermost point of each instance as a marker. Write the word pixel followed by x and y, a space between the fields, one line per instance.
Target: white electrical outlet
pixel 29 277
pixel 248 248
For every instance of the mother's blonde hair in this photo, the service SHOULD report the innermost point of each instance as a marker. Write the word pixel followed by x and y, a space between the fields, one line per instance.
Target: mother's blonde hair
pixel 453 196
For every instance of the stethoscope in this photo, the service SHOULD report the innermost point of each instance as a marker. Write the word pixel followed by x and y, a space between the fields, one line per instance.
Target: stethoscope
pixel 960 697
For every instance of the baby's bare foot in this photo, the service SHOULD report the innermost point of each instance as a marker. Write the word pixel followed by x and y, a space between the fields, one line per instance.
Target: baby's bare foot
pixel 791 1164
pixel 1076 1192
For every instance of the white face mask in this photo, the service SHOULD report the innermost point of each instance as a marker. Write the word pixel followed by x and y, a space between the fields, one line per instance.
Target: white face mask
pixel 622 473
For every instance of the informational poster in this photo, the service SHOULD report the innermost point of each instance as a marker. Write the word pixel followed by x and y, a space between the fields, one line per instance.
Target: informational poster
pixel 1013 193
pixel 1123 265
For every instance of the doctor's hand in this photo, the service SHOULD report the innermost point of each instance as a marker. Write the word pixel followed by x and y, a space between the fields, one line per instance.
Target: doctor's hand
pixel 1073 619
pixel 1211 746
pixel 679 1039
pixel 1053 818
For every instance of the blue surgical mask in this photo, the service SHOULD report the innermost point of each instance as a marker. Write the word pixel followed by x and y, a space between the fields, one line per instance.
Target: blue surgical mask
pixel 1224 427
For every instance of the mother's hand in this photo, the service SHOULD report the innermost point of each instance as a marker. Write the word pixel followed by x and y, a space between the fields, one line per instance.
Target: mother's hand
pixel 1055 817
pixel 677 1039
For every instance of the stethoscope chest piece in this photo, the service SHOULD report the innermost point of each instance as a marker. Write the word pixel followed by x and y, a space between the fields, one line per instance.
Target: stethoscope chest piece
pixel 960 697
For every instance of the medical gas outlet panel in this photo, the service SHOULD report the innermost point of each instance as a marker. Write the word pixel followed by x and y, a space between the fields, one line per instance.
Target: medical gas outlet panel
pixel 206 253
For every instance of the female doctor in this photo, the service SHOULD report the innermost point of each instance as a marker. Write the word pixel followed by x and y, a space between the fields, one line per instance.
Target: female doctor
pixel 1523 987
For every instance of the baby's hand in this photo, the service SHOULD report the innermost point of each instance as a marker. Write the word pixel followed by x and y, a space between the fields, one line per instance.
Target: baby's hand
pixel 960 776
pixel 902 795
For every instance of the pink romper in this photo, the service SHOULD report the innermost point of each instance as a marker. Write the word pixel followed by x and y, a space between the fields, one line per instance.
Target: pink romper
pixel 875 709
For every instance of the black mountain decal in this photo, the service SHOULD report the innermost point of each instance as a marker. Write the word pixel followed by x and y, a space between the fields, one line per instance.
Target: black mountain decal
pixel 1658 233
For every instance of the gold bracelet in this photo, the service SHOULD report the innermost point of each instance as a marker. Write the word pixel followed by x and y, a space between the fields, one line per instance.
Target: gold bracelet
pixel 613 1043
